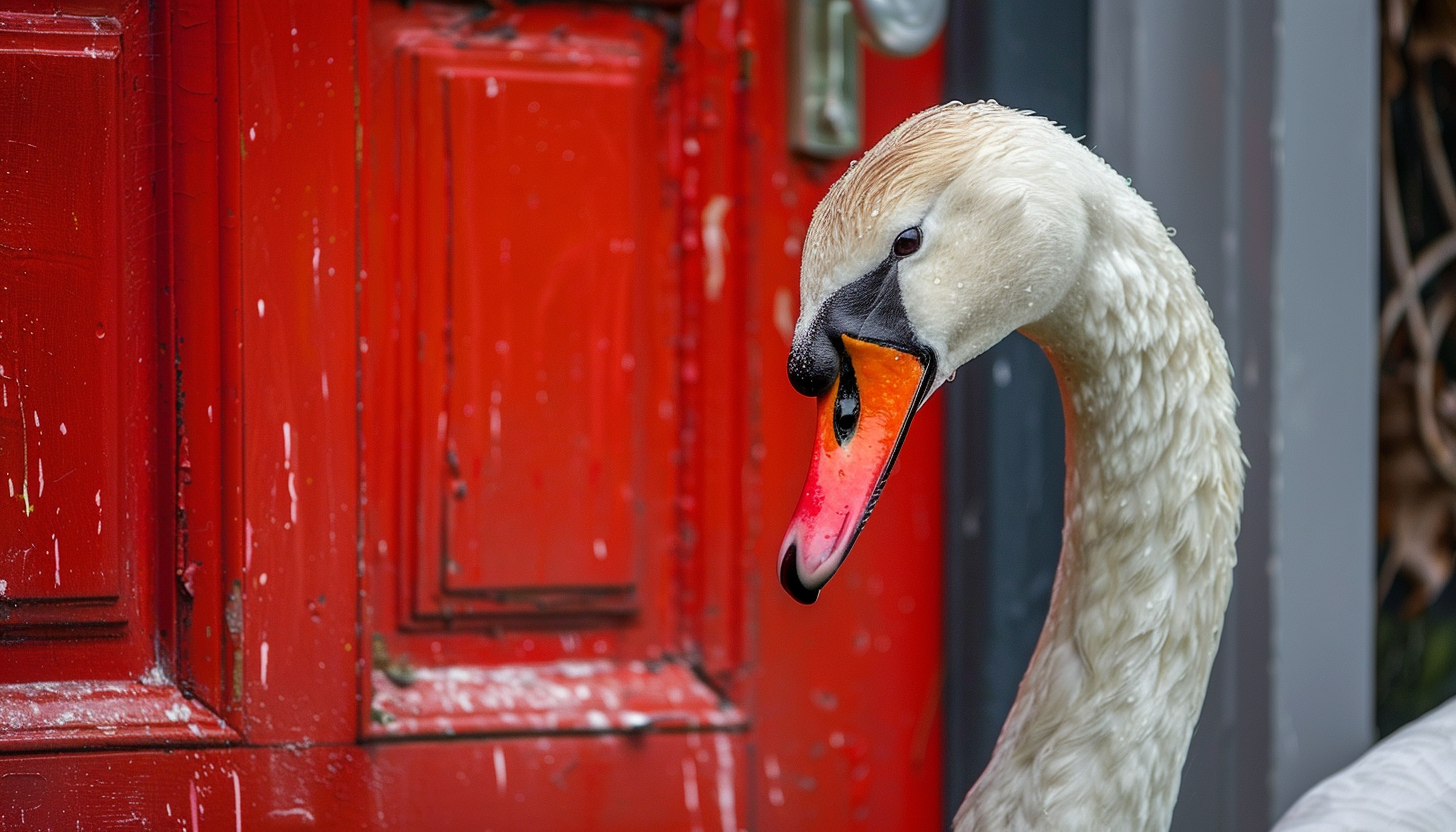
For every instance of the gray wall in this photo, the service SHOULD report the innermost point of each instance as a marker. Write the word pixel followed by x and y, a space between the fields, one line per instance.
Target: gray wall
pixel 1251 126
pixel 1325 296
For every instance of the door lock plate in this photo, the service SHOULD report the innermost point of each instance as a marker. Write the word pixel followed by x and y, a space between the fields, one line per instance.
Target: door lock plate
pixel 826 96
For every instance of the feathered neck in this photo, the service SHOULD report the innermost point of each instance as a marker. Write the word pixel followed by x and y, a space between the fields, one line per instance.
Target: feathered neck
pixel 1101 724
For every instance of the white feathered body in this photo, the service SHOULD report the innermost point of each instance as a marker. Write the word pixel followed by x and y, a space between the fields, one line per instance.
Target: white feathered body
pixel 1407 783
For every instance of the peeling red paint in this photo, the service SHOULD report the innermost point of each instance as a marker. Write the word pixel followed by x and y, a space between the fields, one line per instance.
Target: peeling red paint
pixel 563 696
pixel 99 714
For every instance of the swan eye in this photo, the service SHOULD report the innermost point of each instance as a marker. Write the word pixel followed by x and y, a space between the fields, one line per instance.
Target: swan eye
pixel 908 242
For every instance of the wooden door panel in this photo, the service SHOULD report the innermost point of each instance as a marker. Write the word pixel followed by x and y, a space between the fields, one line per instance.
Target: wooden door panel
pixel 60 298
pixel 523 330
pixel 61 295
pixel 537 180
pixel 88 627
pixel 673 782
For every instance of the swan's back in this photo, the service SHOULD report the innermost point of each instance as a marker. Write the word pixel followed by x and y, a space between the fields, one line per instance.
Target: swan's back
pixel 1407 783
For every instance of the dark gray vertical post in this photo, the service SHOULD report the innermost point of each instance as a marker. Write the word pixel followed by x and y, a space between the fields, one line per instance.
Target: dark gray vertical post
pixel 1004 443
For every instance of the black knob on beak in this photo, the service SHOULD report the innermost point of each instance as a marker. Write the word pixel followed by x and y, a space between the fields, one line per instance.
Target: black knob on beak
pixel 814 363
pixel 869 309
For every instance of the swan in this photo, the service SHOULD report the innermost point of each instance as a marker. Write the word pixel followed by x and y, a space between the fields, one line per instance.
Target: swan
pixel 968 222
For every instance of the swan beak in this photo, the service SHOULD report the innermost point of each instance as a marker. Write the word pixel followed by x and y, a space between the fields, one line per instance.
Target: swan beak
pixel 862 421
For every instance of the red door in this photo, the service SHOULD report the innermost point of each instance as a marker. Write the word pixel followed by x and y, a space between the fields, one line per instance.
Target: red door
pixel 395 432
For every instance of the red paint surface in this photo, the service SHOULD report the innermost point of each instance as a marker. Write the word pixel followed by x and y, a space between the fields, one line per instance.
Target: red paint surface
pixel 845 694
pixel 83 399
pixel 308 211
pixel 606 783
pixel 104 714
pixel 300 469
pixel 554 697
pixel 60 389
pixel 206 312
pixel 535 218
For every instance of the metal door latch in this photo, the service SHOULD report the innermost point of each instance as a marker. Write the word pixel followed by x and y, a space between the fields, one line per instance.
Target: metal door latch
pixel 826 96
pixel 826 93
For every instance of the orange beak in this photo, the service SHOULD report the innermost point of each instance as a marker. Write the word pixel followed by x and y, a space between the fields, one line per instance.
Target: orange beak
pixel 862 421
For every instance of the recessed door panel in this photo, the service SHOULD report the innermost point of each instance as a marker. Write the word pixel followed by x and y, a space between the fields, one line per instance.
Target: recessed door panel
pixel 87 632
pixel 523 312
pixel 539 175
pixel 60 303
pixel 536 194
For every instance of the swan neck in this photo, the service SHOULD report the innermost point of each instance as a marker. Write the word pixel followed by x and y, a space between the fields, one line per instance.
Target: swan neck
pixel 1101 724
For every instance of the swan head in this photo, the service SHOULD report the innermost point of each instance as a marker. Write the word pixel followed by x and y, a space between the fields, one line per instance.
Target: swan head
pixel 964 224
